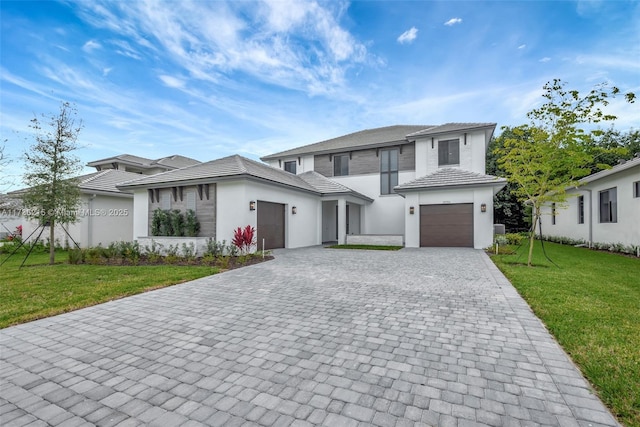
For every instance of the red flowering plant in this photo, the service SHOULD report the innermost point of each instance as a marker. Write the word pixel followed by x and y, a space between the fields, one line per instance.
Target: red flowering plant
pixel 16 235
pixel 244 239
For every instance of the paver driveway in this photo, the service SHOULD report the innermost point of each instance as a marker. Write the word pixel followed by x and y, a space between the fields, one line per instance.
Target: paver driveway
pixel 315 337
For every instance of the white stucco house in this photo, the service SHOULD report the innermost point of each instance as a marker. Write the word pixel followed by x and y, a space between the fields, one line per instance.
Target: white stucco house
pixel 419 185
pixel 105 213
pixel 605 208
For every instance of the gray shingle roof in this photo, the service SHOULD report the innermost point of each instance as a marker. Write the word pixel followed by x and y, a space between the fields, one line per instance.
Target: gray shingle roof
pixel 450 177
pixel 451 127
pixel 175 161
pixel 364 138
pixel 325 186
pixel 238 166
pixel 615 169
pixel 105 181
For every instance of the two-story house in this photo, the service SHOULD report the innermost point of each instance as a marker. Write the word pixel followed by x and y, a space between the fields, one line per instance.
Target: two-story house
pixel 425 185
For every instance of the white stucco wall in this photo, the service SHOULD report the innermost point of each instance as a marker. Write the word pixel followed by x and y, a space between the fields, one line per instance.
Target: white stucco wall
pixel 625 231
pixel 233 197
pixel 472 155
pixel 140 213
pixel 303 163
pixel 102 220
pixel 482 221
pixel 385 214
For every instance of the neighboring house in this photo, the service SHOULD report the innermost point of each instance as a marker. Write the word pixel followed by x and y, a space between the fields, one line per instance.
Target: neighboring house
pixel 605 208
pixel 10 215
pixel 422 184
pixel 105 213
pixel 142 165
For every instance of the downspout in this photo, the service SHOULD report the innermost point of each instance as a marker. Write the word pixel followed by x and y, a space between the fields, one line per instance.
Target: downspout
pixel 590 217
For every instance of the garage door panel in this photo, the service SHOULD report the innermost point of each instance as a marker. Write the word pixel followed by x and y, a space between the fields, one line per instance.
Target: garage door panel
pixel 446 225
pixel 270 225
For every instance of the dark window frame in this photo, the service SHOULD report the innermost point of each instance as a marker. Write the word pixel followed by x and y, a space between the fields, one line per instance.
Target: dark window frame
pixel 287 167
pixel 447 156
pixel 341 165
pixel 608 203
pixel 636 189
pixel 553 214
pixel 389 170
pixel 580 209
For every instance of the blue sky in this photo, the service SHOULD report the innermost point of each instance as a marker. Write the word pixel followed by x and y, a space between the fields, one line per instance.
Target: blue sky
pixel 207 79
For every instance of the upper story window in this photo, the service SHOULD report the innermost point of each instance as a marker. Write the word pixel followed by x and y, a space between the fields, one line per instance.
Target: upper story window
pixel 341 165
pixel 580 209
pixel 636 189
pixel 290 166
pixel 388 171
pixel 449 152
pixel 609 205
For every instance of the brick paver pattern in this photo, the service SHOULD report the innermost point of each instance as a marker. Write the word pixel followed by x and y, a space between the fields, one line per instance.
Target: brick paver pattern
pixel 315 337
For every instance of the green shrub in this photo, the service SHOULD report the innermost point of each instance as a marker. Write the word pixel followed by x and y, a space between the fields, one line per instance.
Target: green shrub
pixel 191 224
pixel 177 223
pixel 189 251
pixel 77 256
pixel 215 248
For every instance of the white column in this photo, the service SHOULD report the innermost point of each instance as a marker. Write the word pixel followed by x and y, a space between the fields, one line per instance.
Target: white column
pixel 342 221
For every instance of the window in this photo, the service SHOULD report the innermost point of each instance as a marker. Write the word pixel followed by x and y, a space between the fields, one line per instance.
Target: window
pixel 290 167
pixel 191 201
pixel 636 189
pixel 580 209
pixel 553 214
pixel 388 171
pixel 165 201
pixel 609 205
pixel 449 152
pixel 341 165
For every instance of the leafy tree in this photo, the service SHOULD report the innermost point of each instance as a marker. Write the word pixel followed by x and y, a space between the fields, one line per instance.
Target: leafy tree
pixel 549 155
pixel 53 194
pixel 508 210
pixel 611 146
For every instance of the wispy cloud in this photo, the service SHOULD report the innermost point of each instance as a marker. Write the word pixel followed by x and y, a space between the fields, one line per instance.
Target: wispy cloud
pixel 453 21
pixel 91 45
pixel 171 81
pixel 408 36
pixel 522 46
pixel 297 45
pixel 545 59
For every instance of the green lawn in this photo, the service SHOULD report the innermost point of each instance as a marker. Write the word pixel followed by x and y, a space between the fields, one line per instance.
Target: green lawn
pixel 38 290
pixel 367 247
pixel 591 304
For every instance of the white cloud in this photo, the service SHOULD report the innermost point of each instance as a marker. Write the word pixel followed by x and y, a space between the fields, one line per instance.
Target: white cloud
pixel 522 46
pixel 545 59
pixel 91 45
pixel 408 36
pixel 171 81
pixel 106 71
pixel 453 21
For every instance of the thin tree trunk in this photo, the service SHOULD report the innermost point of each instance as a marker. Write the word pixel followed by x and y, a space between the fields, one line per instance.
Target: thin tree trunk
pixel 52 246
pixel 536 214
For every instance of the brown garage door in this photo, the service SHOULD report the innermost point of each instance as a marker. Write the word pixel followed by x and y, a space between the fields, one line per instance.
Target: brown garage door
pixel 446 225
pixel 270 225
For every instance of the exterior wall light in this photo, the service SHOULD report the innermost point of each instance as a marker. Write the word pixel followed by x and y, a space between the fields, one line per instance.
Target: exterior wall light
pixel 294 210
pixel 483 207
pixel 252 205
pixel 412 210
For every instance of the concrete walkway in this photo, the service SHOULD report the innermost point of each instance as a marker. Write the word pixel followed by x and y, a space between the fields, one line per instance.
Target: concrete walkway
pixel 316 337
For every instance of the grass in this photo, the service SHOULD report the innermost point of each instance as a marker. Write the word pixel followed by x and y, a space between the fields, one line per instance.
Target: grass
pixel 39 290
pixel 591 304
pixel 367 247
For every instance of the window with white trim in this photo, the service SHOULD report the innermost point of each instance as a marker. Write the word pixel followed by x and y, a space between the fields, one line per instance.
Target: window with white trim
pixel 449 152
